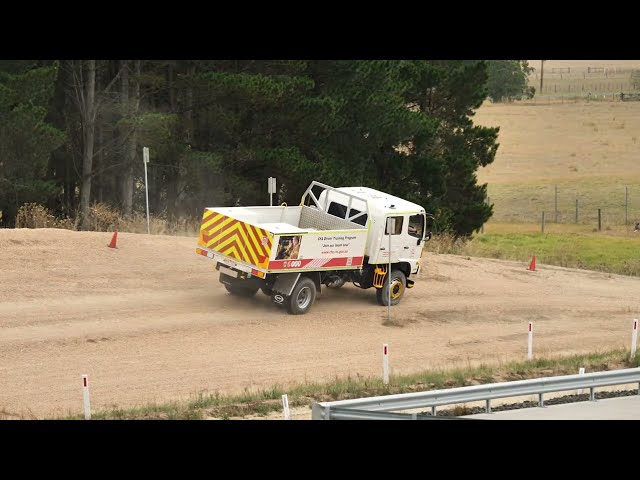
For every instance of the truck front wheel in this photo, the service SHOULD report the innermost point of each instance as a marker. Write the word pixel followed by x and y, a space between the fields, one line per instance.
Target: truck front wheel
pixel 302 296
pixel 398 286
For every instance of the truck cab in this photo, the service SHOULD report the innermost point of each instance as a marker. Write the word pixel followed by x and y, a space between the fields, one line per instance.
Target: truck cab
pixel 411 226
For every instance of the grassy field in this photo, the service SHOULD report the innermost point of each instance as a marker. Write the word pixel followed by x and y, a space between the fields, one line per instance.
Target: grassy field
pixel 265 402
pixel 588 150
pixel 613 251
pixel 567 160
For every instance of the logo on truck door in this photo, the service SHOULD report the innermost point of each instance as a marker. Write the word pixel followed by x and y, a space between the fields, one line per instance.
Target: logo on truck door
pixel 292 263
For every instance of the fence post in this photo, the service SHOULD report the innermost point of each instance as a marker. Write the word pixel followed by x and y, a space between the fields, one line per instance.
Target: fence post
pixel 385 361
pixel 626 205
pixel 634 338
pixel 285 407
pixel 85 397
pixel 556 203
pixel 599 220
pixel 542 222
pixel 576 210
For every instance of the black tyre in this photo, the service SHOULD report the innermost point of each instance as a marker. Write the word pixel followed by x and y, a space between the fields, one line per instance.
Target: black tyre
pixel 398 286
pixel 240 288
pixel 302 297
pixel 267 291
pixel 241 291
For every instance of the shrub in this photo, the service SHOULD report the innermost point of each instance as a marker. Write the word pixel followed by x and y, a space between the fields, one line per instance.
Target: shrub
pixel 34 215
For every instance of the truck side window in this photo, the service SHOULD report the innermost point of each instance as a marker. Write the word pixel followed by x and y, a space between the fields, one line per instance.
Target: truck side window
pixel 398 229
pixel 340 211
pixel 416 225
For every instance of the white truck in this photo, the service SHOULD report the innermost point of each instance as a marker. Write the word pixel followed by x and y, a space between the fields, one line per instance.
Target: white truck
pixel 335 236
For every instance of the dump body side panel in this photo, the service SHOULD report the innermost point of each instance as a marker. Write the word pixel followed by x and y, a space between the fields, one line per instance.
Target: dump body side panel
pixel 261 238
pixel 321 250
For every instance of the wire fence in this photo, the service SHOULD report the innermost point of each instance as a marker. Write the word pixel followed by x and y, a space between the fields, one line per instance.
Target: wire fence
pixel 597 83
pixel 604 208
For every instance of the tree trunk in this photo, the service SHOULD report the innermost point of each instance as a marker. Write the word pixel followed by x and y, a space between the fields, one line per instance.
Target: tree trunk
pixel 133 105
pixel 127 171
pixel 99 160
pixel 181 181
pixel 100 164
pixel 172 89
pixel 87 154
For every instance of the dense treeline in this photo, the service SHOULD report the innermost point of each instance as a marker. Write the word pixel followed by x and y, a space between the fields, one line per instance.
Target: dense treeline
pixel 72 132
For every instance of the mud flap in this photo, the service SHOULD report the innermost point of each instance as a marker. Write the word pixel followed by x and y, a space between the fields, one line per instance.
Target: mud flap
pixel 410 283
pixel 315 276
pixel 285 283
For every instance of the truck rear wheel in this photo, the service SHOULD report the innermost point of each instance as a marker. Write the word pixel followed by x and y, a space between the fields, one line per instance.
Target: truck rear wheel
pixel 398 286
pixel 241 291
pixel 302 296
pixel 237 287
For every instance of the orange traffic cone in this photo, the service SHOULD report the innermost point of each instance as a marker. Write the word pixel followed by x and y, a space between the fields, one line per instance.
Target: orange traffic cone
pixel 113 240
pixel 532 265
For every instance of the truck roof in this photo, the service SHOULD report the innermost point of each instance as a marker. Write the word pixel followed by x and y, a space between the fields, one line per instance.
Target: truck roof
pixel 382 201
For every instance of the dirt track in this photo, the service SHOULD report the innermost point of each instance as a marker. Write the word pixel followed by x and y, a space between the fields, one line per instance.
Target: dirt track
pixel 150 322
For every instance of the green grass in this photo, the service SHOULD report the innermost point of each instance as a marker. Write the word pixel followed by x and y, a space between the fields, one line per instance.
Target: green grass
pixel 262 402
pixel 588 251
pixel 612 250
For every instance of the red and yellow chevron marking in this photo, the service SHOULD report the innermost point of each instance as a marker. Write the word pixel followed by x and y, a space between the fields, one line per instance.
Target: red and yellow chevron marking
pixel 235 239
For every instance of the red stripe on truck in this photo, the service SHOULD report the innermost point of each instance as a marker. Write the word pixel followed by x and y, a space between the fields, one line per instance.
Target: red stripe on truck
pixel 315 263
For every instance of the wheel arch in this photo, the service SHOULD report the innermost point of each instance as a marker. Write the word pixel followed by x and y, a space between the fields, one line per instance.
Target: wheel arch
pixel 315 276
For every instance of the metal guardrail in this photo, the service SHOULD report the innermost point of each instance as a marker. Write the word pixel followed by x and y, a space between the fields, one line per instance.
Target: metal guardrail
pixel 343 413
pixel 366 408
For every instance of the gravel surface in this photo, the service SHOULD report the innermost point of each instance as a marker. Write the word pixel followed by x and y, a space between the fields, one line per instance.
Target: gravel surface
pixel 149 322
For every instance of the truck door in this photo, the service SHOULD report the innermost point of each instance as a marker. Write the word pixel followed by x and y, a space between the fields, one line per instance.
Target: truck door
pixel 397 240
pixel 411 239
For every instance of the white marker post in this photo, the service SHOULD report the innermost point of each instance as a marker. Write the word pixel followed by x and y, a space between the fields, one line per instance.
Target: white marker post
pixel 272 189
pixel 385 364
pixel 530 346
pixel 634 337
pixel 285 406
pixel 580 372
pixel 145 160
pixel 85 397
